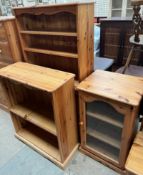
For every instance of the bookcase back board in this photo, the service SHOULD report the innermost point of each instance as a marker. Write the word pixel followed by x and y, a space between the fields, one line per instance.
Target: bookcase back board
pixel 58 36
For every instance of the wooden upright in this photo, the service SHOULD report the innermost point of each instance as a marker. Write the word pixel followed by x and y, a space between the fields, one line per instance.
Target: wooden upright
pixel 42 108
pixel 58 36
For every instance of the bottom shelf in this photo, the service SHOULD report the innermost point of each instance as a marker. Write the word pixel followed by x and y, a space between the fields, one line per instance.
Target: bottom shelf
pixel 103 148
pixel 40 140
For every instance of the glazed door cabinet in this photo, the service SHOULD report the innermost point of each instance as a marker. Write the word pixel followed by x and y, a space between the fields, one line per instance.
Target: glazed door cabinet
pixel 105 129
pixel 109 106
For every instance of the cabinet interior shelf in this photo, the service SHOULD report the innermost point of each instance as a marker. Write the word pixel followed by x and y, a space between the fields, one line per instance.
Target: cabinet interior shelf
pixel 104 138
pixel 106 119
pixel 72 34
pixel 102 148
pixel 43 121
pixel 51 52
pixel 26 135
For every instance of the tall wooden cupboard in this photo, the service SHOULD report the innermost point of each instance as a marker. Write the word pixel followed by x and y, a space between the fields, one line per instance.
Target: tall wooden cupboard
pixel 10 50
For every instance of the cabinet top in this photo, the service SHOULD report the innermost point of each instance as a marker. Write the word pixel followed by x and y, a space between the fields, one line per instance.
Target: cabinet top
pixel 6 18
pixel 42 78
pixel 122 88
pixel 56 5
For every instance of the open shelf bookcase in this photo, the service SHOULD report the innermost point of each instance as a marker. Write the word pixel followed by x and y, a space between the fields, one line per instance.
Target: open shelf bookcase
pixel 58 36
pixel 40 118
pixel 108 115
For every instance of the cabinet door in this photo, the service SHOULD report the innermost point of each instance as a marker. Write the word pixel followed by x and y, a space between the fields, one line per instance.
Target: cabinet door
pixel 102 129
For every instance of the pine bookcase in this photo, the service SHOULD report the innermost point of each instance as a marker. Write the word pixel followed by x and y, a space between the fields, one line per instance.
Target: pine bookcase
pixel 42 108
pixel 58 36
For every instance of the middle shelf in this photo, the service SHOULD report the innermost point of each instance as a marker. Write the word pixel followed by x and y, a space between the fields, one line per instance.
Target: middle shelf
pixel 39 119
pixel 29 32
pixel 104 138
pixel 51 52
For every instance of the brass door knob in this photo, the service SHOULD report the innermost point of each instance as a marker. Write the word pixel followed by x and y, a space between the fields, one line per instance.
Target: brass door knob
pixel 81 123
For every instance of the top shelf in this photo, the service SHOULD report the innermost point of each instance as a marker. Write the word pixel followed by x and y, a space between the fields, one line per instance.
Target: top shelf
pixel 45 79
pixel 28 32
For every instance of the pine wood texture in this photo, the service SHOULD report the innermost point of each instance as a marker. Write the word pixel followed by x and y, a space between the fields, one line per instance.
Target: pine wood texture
pixel 109 105
pixel 10 50
pixel 122 88
pixel 9 42
pixel 134 164
pixel 58 36
pixel 49 33
pixel 36 76
pixel 42 107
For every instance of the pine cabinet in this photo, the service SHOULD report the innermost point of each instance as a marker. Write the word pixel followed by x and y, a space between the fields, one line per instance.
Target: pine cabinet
pixel 109 104
pixel 42 108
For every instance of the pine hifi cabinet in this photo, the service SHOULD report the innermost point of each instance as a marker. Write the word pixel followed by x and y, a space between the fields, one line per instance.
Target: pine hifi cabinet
pixel 109 105
pixel 58 36
pixel 9 49
pixel 42 109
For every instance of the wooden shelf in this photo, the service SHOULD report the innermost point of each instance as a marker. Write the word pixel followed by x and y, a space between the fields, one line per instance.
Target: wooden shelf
pixel 38 143
pixel 51 52
pixel 105 118
pixel 43 121
pixel 104 149
pixel 48 33
pixel 104 138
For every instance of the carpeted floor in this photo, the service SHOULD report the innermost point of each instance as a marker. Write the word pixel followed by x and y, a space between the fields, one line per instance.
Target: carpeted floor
pixel 18 159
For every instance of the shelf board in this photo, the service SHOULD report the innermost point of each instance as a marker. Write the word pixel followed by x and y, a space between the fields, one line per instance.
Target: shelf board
pixel 36 118
pixel 102 149
pixel 51 52
pixel 104 138
pixel 74 34
pixel 105 118
pixel 38 143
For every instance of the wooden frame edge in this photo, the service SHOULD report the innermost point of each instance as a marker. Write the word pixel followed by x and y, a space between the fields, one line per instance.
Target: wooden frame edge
pixel 50 158
pixel 122 172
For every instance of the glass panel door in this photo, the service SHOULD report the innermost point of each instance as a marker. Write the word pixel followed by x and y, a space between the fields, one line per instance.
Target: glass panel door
pixel 104 129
